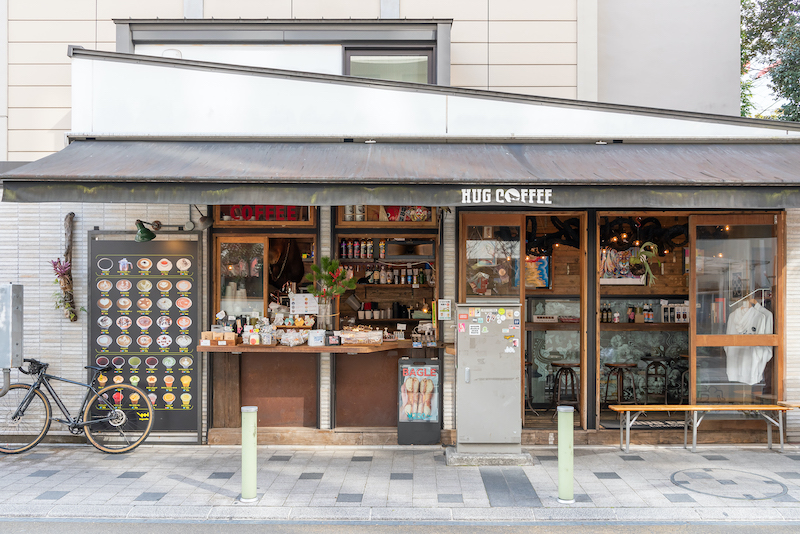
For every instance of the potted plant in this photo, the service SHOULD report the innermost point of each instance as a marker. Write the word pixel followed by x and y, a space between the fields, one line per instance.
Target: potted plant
pixel 640 262
pixel 328 281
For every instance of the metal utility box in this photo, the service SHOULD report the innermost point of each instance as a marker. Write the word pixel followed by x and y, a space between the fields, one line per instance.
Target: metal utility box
pixel 488 377
pixel 10 326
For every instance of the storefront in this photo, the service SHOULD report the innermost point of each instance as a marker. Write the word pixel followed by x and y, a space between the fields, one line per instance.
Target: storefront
pixel 484 194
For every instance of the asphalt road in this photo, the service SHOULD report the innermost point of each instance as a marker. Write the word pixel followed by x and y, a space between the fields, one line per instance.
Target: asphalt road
pixel 35 526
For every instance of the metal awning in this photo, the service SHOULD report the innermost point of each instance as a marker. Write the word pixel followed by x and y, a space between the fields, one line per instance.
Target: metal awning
pixel 335 173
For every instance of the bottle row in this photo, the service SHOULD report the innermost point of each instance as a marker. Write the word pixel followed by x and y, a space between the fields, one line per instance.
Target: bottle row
pixel 381 274
pixel 361 248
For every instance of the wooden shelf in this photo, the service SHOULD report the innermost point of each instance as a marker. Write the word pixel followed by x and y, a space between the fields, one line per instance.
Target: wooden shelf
pixel 386 286
pixel 539 327
pixel 652 327
pixel 383 321
pixel 388 260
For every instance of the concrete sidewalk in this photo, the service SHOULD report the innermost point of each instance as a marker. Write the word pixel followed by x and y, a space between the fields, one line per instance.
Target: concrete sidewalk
pixel 651 484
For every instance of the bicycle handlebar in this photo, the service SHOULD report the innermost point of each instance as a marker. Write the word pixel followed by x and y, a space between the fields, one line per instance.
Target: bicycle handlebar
pixel 34 366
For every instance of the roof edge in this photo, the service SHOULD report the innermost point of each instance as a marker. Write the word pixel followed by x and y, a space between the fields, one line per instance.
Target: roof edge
pixel 293 22
pixel 74 51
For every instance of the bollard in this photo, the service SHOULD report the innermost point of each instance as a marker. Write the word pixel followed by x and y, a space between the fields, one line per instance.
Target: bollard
pixel 565 452
pixel 249 441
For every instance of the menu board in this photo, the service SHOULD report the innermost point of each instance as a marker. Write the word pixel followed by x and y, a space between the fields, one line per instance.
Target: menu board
pixel 144 309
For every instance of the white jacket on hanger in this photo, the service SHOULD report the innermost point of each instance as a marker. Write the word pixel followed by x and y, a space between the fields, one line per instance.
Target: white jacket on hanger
pixel 746 364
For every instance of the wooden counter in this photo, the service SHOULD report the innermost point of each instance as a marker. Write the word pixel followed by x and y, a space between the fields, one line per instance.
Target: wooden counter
pixel 336 349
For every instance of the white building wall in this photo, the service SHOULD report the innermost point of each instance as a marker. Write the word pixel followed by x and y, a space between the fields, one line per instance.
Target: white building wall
pixel 671 54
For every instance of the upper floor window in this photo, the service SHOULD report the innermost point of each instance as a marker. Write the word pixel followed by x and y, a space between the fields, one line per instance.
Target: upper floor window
pixel 396 64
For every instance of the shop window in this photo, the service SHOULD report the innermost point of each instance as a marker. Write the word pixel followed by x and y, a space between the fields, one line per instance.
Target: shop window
pixel 401 65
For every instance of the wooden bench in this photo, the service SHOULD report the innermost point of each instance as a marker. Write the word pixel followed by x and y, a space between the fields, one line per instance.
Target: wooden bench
pixel 698 412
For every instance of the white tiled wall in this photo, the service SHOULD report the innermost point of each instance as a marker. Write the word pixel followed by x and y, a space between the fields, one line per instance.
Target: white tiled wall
pixel 448 289
pixel 792 367
pixel 32 236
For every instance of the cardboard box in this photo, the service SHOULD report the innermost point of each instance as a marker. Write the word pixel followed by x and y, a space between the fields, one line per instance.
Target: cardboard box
pixel 217 336
pixel 229 336
pixel 206 335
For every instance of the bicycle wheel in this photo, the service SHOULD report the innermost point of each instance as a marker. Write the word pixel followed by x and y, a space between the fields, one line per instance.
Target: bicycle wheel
pixel 21 434
pixel 130 422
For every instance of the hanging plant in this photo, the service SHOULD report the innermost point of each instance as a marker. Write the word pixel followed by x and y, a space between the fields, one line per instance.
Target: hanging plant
pixel 64 298
pixel 640 262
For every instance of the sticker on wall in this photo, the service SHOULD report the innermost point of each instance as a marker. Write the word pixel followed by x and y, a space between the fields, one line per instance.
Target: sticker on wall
pixel 480 320
pixel 501 311
pixel 474 329
pixel 477 312
pixel 516 313
pixel 506 330
pixel 462 328
pixel 463 316
pixel 485 330
pixel 516 321
pixel 472 312
pixel 509 314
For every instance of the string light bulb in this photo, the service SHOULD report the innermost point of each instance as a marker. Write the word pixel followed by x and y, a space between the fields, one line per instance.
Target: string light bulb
pixel 614 239
pixel 624 236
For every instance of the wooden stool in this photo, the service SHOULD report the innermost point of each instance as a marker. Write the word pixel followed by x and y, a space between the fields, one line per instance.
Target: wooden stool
pixel 656 368
pixel 619 371
pixel 567 380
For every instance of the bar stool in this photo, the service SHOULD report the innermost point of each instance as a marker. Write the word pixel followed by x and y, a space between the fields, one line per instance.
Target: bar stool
pixel 566 380
pixel 529 367
pixel 656 368
pixel 685 381
pixel 619 371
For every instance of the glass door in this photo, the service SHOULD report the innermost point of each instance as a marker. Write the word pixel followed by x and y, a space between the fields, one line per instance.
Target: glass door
pixel 240 283
pixel 737 276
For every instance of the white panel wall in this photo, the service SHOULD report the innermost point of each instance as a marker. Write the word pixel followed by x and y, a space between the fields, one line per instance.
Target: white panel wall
pixel 672 54
pixel 165 100
pixel 792 368
pixel 322 59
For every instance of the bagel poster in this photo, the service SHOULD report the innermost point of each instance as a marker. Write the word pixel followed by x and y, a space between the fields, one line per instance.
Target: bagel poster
pixel 419 393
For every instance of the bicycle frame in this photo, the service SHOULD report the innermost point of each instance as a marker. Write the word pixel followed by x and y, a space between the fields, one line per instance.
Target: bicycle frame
pixel 73 422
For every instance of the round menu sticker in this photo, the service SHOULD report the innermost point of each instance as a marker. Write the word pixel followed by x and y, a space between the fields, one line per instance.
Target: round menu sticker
pixel 501 311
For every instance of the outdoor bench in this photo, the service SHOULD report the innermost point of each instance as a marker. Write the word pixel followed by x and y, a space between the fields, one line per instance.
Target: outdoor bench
pixel 698 412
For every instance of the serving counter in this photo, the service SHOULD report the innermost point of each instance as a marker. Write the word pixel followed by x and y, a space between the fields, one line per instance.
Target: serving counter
pixel 285 383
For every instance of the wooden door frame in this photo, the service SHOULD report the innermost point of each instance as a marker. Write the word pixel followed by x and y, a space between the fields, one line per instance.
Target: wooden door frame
pixel 517 218
pixel 777 341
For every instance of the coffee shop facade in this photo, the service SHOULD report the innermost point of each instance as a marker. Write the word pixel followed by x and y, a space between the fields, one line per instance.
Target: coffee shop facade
pixel 537 200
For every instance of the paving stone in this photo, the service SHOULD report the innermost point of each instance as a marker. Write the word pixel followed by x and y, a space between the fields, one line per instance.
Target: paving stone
pixel 632 458
pixel 132 474
pixel 609 475
pixel 361 458
pixel 51 495
pixel 715 458
pixel 279 458
pixel 679 497
pixel 43 473
pixel 150 496
pixel 451 498
pixel 350 497
pixel 221 475
pixel 790 475
pixel 401 476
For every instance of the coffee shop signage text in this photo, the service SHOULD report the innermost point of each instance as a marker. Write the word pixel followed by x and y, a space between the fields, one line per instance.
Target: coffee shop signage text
pixel 500 195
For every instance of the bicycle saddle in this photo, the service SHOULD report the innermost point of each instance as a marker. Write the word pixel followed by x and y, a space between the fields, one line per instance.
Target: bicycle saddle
pixel 107 368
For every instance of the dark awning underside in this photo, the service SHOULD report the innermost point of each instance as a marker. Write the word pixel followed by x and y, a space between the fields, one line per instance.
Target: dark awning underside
pixel 314 173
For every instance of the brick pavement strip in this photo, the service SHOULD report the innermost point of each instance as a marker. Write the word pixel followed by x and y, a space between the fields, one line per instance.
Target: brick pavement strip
pixel 391 484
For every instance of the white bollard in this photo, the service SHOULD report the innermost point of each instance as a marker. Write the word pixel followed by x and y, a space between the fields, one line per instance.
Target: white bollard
pixel 565 454
pixel 249 442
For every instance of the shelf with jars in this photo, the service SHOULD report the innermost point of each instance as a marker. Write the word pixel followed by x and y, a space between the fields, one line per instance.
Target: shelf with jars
pixel 372 216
